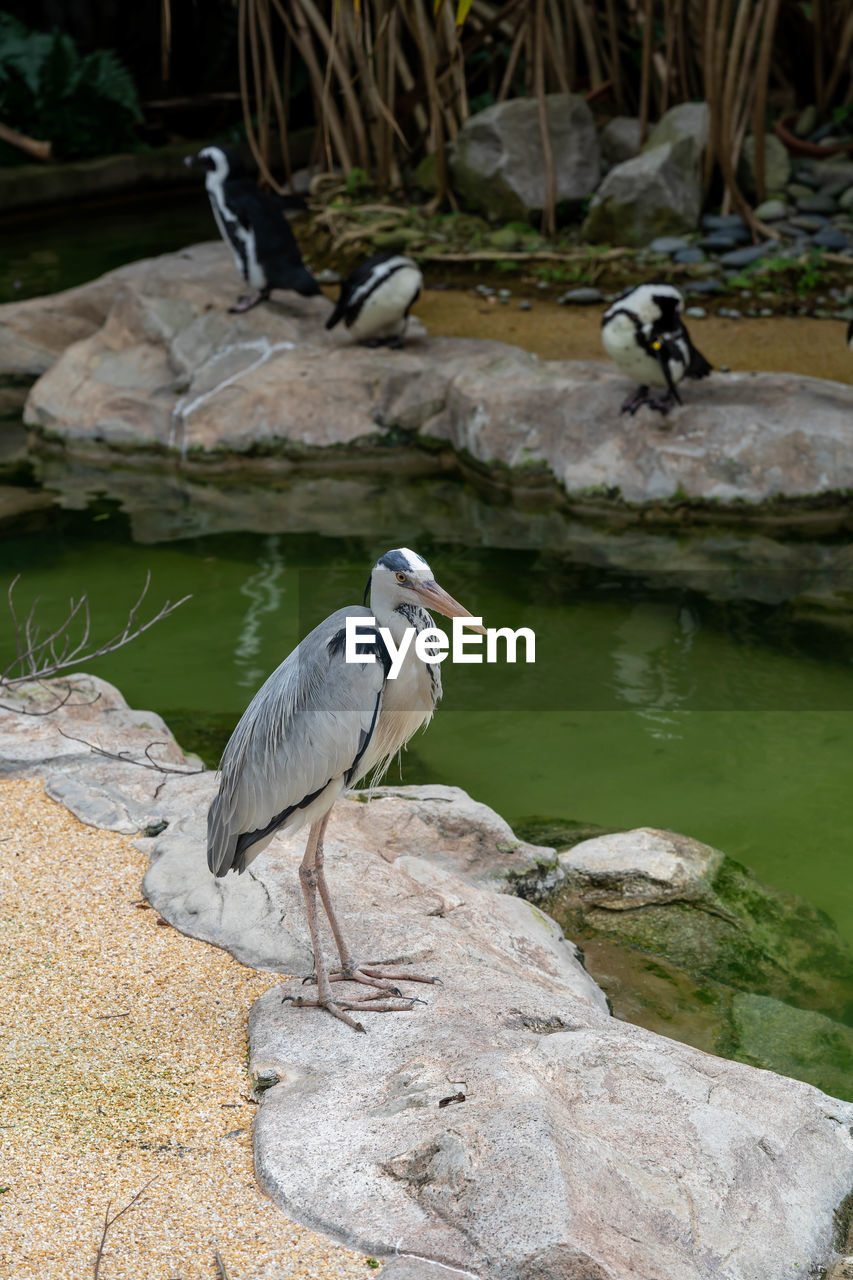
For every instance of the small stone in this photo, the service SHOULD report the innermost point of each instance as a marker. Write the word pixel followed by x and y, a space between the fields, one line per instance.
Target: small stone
pixel 772 210
pixel 718 242
pixel 328 276
pixel 830 238
pixel 504 293
pixel 668 244
pixel 686 257
pixel 723 222
pixel 696 313
pixel 729 313
pixel 799 190
pixel 819 202
pixel 705 286
pixel 766 311
pixel 744 257
pixel 808 221
pixel 582 297
pixel 806 121
pixel 805 176
pixel 484 290
pixel 845 200
pixel 525 306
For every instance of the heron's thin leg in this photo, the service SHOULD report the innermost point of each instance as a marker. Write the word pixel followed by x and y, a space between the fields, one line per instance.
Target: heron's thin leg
pixel 351 970
pixel 309 878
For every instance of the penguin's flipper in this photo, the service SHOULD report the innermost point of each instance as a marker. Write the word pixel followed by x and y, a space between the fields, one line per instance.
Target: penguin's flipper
pixel 697 366
pixel 340 310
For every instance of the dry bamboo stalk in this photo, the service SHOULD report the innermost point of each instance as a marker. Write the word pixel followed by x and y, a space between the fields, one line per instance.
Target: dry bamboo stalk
pixel 646 69
pixel 588 41
pixel 549 219
pixel 276 90
pixel 732 76
pixel 762 78
pixel 556 47
pixel 842 59
pixel 512 62
pixel 33 146
pixel 332 127
pixel 615 62
pixel 335 61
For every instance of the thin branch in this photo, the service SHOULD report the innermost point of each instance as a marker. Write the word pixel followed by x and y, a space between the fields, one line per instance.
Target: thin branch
pixel 124 758
pixel 110 1221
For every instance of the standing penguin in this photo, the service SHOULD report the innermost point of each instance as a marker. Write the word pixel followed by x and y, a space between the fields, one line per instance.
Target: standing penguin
pixel 254 226
pixel 644 334
pixel 376 298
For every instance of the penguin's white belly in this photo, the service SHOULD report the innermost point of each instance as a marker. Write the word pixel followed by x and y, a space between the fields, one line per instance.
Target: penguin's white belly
pixel 383 313
pixel 620 343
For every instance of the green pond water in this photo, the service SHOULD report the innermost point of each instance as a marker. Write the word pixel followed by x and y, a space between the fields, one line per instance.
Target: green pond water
pixel 644 706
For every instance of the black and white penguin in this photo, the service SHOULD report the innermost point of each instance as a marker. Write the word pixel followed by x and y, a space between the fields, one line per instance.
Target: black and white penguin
pixel 644 334
pixel 254 225
pixel 376 298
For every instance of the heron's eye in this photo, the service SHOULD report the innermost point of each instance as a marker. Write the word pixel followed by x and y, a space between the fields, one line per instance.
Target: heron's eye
pixel 401 577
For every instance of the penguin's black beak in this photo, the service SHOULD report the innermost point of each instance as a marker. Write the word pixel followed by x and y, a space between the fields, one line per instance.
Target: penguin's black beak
pixel 194 162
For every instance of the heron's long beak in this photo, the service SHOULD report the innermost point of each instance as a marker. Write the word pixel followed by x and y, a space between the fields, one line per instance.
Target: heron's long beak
pixel 435 597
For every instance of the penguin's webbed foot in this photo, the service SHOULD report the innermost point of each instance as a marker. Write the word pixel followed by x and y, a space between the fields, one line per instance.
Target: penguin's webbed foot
pixel 248 300
pixel 662 403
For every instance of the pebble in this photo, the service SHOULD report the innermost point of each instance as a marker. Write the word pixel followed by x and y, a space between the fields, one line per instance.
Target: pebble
pixel 818 202
pixel 525 306
pixel 484 290
pixel 668 244
pixel 808 221
pixel 719 240
pixel 504 293
pixel 830 238
pixel 744 257
pixel 729 313
pixel 806 178
pixel 799 190
pixel 690 255
pixel 696 313
pixel 723 221
pixel 327 276
pixel 766 311
pixel 772 210
pixel 582 297
pixel 705 286
pixel 845 200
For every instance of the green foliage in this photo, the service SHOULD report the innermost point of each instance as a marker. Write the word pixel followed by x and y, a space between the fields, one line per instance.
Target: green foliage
pixel 84 106
pixel 358 182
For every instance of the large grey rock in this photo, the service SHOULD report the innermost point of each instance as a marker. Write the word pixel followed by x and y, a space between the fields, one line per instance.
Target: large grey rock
pixel 170 372
pixel 582 1146
pixel 619 140
pixel 656 193
pixel 629 869
pixel 498 163
pixel 777 165
pixel 685 128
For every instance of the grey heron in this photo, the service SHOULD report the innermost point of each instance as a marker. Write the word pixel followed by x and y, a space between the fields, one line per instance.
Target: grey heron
pixel 318 725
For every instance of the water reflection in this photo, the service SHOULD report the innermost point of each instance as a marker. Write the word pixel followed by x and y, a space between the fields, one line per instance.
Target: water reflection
pixel 652 670
pixel 265 594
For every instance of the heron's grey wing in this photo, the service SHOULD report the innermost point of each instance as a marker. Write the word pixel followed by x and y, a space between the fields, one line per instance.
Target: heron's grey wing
pixel 308 725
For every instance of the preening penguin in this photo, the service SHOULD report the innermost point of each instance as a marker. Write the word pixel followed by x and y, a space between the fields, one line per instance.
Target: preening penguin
pixel 254 225
pixel 376 298
pixel 644 334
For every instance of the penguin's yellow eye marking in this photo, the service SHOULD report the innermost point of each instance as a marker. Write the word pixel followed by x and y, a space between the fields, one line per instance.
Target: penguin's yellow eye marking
pixel 655 345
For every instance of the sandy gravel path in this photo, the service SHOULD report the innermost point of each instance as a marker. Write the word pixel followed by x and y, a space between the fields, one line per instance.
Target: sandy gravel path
pixel 123 1064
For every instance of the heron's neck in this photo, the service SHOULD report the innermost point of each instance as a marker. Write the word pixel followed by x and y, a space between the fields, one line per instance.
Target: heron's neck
pixel 398 620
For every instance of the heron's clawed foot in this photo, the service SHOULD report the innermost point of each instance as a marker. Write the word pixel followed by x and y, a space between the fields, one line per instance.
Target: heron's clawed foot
pixel 377 1003
pixel 373 973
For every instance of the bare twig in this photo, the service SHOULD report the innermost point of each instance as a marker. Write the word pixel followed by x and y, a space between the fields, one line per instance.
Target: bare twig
pixel 223 1272
pixel 148 763
pixel 41 657
pixel 110 1221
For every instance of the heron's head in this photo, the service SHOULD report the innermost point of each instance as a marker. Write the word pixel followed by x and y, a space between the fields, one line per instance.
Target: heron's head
pixel 222 162
pixel 404 577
